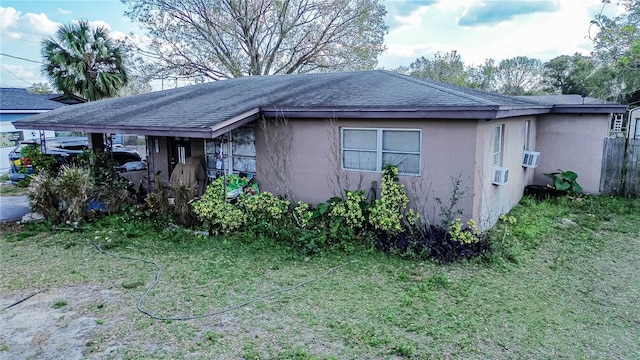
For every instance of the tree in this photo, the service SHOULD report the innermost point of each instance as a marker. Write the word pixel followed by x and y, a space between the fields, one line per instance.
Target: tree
pixel 39 88
pixel 218 39
pixel 570 75
pixel 617 44
pixel 483 76
pixel 82 60
pixel 519 75
pixel 447 68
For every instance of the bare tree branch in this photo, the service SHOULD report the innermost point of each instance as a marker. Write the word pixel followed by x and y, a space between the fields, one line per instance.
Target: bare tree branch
pixel 220 39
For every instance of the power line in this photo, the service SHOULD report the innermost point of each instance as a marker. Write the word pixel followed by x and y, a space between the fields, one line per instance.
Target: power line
pixel 7 70
pixel 21 58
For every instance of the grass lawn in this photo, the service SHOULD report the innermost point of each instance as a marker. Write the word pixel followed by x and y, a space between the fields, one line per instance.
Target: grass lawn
pixel 562 283
pixel 8 189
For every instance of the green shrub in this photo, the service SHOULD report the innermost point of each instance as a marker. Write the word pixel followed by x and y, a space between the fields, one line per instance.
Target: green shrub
pixel 74 187
pixel 264 208
pixel 183 194
pixel 216 212
pixel 64 197
pixel 43 197
pixel 41 163
pixel 387 212
pixel 352 212
pixel 565 181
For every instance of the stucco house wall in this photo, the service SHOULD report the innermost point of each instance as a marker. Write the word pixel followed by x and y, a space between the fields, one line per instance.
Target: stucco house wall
pixel 490 201
pixel 448 148
pixel 572 142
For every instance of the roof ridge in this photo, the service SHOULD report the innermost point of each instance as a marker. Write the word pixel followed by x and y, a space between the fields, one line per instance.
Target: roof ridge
pixel 434 84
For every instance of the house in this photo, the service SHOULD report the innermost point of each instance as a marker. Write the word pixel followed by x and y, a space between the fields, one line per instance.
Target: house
pixel 309 136
pixel 16 104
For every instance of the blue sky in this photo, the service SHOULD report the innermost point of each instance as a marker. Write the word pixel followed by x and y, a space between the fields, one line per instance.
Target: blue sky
pixel 476 29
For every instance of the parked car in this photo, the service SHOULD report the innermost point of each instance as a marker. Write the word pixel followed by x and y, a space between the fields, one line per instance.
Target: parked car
pixel 64 150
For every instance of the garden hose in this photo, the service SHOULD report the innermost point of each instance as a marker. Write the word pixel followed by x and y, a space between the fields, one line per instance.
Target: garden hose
pixel 219 312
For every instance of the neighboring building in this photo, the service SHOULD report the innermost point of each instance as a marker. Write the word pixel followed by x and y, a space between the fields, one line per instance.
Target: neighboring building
pixel 16 104
pixel 633 125
pixel 312 135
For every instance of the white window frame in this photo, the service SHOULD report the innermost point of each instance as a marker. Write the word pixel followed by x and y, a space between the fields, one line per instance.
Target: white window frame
pixel 527 134
pixel 379 149
pixel 498 130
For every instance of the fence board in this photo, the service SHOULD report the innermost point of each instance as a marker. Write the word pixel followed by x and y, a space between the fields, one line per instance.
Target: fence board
pixel 632 176
pixel 611 181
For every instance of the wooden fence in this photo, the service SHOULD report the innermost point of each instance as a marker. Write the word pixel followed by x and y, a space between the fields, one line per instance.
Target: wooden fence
pixel 621 167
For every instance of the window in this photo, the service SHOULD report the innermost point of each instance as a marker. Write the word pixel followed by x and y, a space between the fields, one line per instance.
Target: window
pixel 527 131
pixel 231 153
pixel 370 149
pixel 497 145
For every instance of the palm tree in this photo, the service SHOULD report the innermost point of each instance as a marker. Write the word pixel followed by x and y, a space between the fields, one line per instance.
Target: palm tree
pixel 83 60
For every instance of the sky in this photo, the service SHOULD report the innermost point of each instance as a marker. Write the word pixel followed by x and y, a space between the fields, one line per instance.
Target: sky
pixel 476 29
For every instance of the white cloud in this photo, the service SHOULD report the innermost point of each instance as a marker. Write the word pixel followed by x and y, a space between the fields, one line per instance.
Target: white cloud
pixel 536 35
pixel 100 23
pixel 30 27
pixel 9 17
pixel 39 24
pixel 64 11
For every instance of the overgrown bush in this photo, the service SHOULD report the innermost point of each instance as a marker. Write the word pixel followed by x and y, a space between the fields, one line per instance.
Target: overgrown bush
pixel 344 223
pixel 110 189
pixel 388 211
pixel 43 196
pixel 183 195
pixel 64 197
pixel 64 194
pixel 74 187
pixel 41 163
pixel 216 212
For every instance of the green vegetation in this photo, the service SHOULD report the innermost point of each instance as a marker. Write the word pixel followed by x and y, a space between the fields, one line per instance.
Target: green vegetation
pixel 8 189
pixel 60 303
pixel 560 283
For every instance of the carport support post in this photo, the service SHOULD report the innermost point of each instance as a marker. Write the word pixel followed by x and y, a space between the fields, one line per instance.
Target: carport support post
pixel 96 142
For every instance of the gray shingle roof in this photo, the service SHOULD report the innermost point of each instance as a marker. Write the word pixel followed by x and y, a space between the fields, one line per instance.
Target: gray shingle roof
pixel 198 109
pixel 20 99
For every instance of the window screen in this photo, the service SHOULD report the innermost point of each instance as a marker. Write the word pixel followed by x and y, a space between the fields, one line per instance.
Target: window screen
pixel 371 149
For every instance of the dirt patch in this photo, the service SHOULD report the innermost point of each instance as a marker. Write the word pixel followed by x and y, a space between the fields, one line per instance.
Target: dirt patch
pixel 52 324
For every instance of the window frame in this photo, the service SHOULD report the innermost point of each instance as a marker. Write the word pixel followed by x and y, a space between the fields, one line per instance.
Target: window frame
pixel 527 135
pixel 497 154
pixel 379 150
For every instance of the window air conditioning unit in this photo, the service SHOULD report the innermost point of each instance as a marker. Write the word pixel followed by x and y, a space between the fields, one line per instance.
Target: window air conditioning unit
pixel 530 159
pixel 500 175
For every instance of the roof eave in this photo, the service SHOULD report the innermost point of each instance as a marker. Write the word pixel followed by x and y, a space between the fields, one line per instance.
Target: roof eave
pixel 589 109
pixel 149 131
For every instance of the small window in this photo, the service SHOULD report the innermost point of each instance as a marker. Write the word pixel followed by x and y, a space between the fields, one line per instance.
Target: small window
pixel 527 131
pixel 497 145
pixel 370 149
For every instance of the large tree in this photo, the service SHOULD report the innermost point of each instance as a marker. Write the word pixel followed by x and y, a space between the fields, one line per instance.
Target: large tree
pixel 483 76
pixel 83 60
pixel 571 75
pixel 617 45
pixel 519 75
pixel 447 68
pixel 218 39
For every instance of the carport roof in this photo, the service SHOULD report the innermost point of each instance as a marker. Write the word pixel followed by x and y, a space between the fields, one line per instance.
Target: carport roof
pixel 209 109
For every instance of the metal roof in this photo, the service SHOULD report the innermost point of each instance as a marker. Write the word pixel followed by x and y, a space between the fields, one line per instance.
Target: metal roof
pixel 206 110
